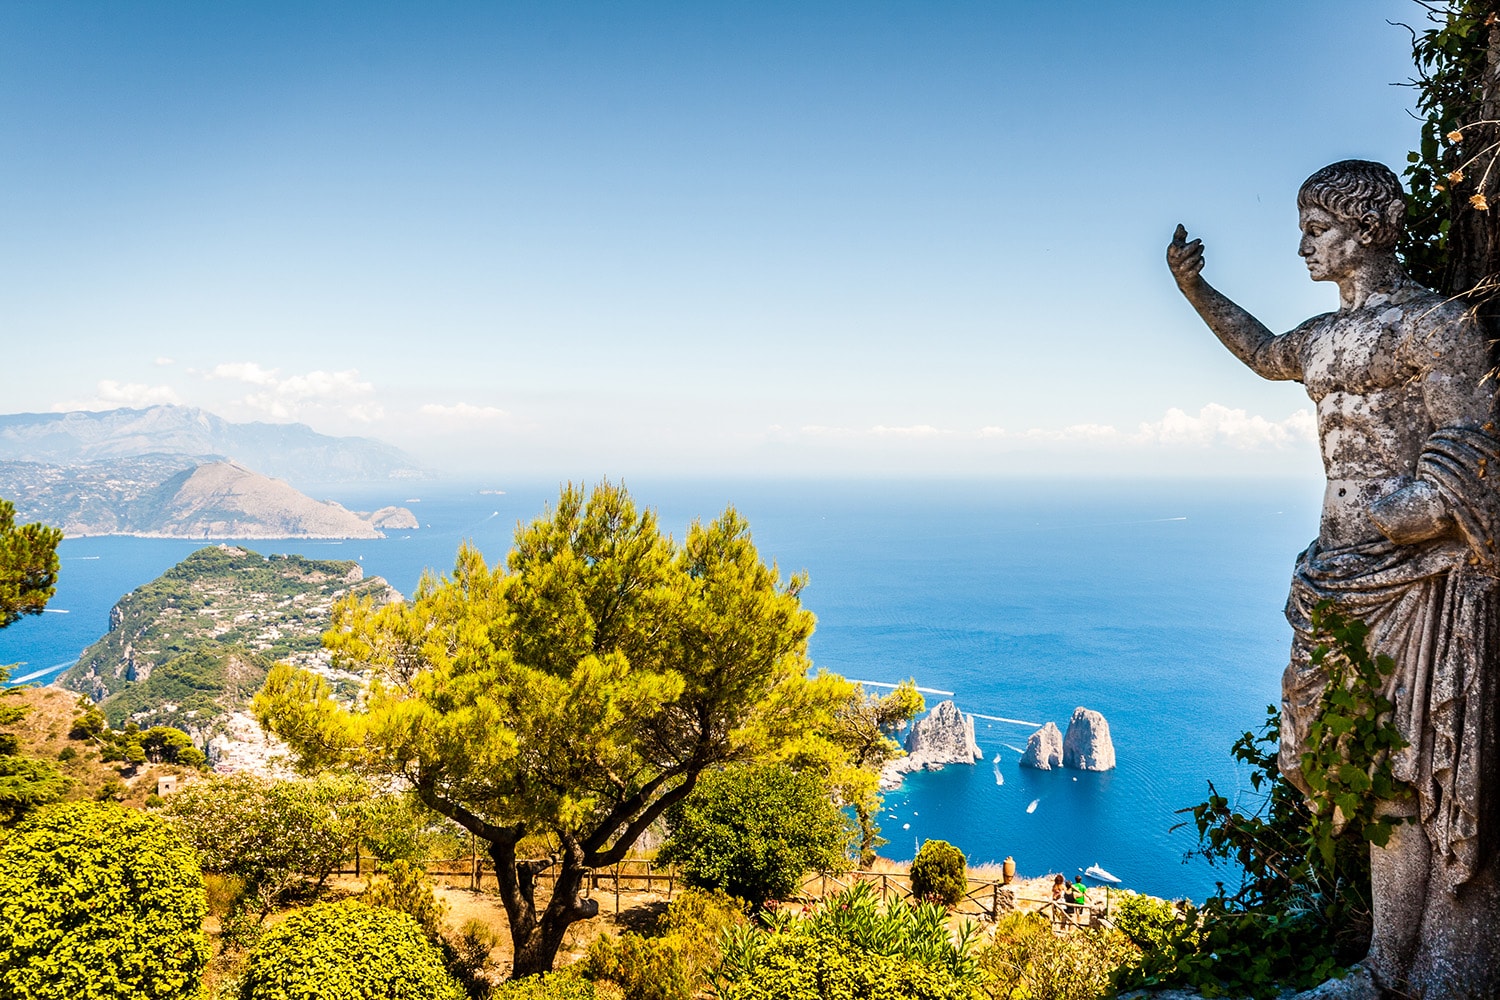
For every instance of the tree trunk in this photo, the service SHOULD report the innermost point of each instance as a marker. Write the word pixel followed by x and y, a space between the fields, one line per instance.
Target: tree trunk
pixel 1474 235
pixel 535 941
pixel 867 836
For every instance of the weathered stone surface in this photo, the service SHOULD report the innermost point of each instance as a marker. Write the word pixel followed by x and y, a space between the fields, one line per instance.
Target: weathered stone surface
pixel 1087 746
pixel 1405 418
pixel 944 736
pixel 1044 750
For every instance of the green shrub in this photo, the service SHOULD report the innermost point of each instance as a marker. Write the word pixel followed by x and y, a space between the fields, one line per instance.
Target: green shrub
pixel 1026 958
pixel 563 985
pixel 851 946
pixel 1165 933
pixel 99 902
pixel 469 955
pixel 755 831
pixel 815 967
pixel 672 965
pixel 939 873
pixel 346 951
pixel 404 887
pixel 272 834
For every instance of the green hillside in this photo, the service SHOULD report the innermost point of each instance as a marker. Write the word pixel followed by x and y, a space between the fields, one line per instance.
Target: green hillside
pixel 197 641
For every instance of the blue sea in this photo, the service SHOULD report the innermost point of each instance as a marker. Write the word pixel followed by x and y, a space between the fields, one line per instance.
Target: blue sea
pixel 1158 604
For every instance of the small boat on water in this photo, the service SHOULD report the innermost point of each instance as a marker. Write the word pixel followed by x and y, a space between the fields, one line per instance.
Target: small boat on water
pixel 1100 875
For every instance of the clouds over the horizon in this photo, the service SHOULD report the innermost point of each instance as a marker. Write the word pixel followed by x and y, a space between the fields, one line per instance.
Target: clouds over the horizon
pixel 1213 426
pixel 301 397
pixel 463 413
pixel 111 395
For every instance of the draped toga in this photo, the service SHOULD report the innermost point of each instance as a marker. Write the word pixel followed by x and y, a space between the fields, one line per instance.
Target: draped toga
pixel 1434 608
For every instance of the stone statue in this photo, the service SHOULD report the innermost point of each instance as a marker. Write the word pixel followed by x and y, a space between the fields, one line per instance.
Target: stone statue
pixel 1406 410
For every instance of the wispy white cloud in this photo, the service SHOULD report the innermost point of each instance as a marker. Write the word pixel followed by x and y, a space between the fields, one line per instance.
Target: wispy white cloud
pixel 463 412
pixel 164 362
pixel 243 371
pixel 1213 426
pixel 913 431
pixel 1217 424
pixel 110 395
pixel 296 397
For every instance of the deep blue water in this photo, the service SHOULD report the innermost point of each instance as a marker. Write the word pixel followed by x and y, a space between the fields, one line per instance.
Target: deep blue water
pixel 1158 604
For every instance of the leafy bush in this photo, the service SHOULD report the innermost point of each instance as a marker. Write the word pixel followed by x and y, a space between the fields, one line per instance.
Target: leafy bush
pixel 672 965
pixel 99 902
pixel 346 951
pixel 404 887
pixel 270 834
pixel 755 831
pixel 563 985
pixel 850 946
pixel 25 782
pixel 939 873
pixel 1163 932
pixel 469 955
pixel 1026 958
pixel 398 828
pixel 812 967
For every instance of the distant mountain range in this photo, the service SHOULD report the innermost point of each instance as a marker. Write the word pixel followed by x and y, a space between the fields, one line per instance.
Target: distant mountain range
pixel 170 496
pixel 294 452
pixel 179 472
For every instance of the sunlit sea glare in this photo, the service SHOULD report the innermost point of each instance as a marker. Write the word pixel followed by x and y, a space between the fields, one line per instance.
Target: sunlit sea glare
pixel 1157 604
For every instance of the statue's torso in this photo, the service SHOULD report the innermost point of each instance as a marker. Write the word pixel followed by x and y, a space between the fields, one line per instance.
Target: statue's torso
pixel 1381 380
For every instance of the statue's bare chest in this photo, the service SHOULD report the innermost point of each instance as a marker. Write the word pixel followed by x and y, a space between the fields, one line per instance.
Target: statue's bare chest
pixel 1357 352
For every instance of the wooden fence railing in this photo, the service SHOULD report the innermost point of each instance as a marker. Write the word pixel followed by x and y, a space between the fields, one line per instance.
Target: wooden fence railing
pixel 986 898
pixel 474 871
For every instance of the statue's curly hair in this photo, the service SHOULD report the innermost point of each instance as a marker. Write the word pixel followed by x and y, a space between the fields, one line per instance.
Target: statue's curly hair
pixel 1359 191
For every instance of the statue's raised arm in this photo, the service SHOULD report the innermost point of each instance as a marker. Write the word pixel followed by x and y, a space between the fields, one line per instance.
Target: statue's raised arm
pixel 1244 335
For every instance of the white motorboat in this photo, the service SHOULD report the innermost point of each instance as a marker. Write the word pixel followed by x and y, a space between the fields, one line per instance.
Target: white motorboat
pixel 1100 875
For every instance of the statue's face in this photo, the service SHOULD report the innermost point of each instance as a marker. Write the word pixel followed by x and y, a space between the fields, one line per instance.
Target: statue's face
pixel 1330 245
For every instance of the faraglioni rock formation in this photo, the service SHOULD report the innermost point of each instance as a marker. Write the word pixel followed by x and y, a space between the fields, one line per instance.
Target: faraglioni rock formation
pixel 1087 746
pixel 944 736
pixel 1044 750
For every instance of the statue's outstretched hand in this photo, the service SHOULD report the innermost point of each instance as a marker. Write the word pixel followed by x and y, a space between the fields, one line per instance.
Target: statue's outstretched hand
pixel 1183 258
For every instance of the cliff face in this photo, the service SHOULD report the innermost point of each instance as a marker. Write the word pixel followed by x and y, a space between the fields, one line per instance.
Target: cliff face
pixel 944 736
pixel 1044 750
pixel 1087 746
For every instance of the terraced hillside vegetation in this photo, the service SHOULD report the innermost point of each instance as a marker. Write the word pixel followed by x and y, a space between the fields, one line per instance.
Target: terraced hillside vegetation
pixel 191 648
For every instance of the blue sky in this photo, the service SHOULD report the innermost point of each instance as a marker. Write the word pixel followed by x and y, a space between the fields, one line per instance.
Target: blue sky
pixel 579 239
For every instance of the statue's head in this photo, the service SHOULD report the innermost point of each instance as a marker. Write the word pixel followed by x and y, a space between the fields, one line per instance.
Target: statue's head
pixel 1364 195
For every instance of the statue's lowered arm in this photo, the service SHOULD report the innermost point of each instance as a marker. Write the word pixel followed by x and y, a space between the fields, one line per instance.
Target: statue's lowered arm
pixel 1246 337
pixel 1459 395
